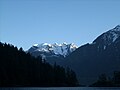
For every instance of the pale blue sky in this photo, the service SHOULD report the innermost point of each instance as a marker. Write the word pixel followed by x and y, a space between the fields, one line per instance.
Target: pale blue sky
pixel 25 22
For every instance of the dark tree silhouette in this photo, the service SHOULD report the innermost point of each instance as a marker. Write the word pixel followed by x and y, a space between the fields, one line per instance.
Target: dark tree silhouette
pixel 18 68
pixel 116 78
pixel 104 81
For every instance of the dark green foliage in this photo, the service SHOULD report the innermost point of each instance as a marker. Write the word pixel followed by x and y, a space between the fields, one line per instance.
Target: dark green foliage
pixel 18 68
pixel 71 77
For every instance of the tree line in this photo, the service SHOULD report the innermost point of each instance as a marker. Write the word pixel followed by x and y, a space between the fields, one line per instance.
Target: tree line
pixel 106 81
pixel 18 68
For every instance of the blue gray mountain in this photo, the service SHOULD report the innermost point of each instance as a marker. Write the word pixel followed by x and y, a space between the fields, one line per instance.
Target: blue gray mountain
pixel 100 56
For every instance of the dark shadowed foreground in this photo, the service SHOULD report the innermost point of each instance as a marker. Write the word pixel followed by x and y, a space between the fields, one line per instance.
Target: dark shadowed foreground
pixel 20 69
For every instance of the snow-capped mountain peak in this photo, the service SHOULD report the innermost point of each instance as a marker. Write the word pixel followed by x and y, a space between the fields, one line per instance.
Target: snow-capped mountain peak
pixel 35 45
pixel 63 49
pixel 113 34
pixel 108 37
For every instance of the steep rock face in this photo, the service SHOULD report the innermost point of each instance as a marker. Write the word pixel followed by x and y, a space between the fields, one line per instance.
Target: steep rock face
pixel 101 56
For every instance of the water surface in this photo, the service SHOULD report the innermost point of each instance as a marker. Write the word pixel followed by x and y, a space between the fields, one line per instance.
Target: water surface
pixel 64 88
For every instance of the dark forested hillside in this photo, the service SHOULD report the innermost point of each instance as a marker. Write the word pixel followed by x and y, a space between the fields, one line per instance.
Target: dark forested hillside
pixel 101 56
pixel 18 68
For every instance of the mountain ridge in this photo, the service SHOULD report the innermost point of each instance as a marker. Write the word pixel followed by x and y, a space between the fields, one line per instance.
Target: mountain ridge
pixel 100 56
pixel 110 36
pixel 51 52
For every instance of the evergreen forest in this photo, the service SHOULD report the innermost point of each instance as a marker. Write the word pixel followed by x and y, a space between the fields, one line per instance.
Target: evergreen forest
pixel 19 69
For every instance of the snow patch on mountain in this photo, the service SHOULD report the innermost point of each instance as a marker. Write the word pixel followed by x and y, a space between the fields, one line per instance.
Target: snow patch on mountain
pixel 63 49
pixel 115 36
pixel 109 37
pixel 114 33
pixel 104 47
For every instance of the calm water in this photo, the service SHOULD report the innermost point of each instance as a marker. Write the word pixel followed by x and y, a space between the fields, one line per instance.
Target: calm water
pixel 64 88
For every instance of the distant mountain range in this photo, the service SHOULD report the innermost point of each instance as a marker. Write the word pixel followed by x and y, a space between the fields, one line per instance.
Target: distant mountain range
pixel 89 60
pixel 55 49
pixel 52 52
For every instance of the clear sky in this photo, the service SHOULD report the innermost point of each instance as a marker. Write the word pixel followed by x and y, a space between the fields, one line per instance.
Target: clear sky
pixel 26 22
